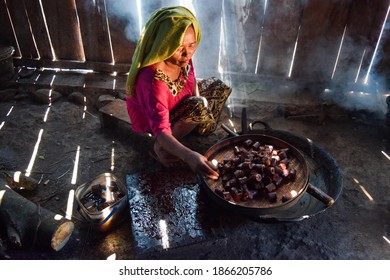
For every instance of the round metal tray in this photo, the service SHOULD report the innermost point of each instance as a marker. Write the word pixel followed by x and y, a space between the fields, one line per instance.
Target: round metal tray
pixel 325 174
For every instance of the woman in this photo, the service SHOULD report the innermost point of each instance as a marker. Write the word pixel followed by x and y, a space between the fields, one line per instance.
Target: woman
pixel 161 87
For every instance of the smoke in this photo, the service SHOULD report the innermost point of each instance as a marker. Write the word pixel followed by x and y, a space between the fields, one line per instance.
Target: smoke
pixel 137 12
pixel 363 88
pixel 127 11
pixel 233 49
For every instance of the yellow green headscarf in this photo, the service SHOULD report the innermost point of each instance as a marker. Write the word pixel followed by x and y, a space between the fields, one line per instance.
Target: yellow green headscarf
pixel 161 37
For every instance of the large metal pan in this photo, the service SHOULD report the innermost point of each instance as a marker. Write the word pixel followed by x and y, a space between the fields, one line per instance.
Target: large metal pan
pixel 224 149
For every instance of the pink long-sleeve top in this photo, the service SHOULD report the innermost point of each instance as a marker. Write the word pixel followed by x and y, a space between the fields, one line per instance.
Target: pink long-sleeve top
pixel 149 108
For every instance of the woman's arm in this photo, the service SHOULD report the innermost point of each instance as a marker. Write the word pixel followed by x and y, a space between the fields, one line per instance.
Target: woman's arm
pixel 196 161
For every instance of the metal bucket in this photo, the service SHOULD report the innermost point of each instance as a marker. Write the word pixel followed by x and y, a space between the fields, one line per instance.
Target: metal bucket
pixel 96 208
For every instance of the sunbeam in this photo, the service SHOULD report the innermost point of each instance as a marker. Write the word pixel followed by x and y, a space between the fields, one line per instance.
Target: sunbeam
pixel 34 154
pixel 376 47
pixel 76 166
pixel 294 52
pixel 9 112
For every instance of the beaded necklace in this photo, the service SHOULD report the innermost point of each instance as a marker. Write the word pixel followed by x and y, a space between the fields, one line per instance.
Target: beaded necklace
pixel 174 86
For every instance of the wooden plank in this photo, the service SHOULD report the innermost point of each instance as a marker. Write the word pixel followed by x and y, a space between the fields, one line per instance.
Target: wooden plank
pixel 233 42
pixel 67 64
pixel 123 47
pixel 321 31
pixel 207 53
pixel 63 82
pixel 30 80
pixel 124 26
pixel 37 21
pixel 21 25
pixel 68 79
pixel 92 85
pixel 100 81
pixel 120 84
pixel 379 14
pixel 241 26
pixel 112 112
pixel 64 29
pixel 53 79
pixel 252 33
pixel 363 28
pixel 382 66
pixel 94 30
pixel 7 38
pixel 281 25
pixel 44 79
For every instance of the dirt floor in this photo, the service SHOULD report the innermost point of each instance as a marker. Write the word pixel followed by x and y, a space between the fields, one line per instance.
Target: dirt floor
pixel 355 227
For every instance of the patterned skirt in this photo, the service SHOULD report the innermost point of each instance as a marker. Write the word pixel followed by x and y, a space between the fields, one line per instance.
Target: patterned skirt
pixel 204 110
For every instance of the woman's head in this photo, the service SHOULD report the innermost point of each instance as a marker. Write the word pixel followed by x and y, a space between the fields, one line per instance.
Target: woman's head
pixel 174 24
pixel 181 57
pixel 168 33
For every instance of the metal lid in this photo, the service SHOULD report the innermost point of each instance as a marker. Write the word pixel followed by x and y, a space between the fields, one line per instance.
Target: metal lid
pixel 6 52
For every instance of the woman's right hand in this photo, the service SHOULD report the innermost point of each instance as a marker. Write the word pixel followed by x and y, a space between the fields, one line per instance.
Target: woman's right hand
pixel 199 164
